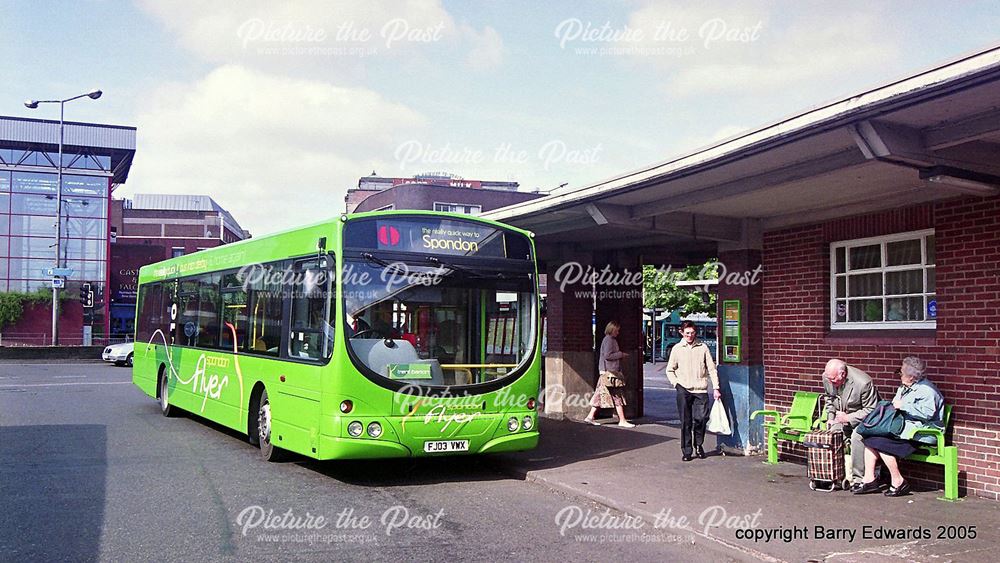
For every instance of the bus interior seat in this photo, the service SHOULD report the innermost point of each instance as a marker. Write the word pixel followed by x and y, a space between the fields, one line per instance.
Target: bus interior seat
pixel 377 355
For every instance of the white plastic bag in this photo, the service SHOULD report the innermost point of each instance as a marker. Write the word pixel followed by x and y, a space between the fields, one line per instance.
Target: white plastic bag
pixel 718 421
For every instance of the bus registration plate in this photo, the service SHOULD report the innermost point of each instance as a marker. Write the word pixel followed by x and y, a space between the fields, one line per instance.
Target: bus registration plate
pixel 439 446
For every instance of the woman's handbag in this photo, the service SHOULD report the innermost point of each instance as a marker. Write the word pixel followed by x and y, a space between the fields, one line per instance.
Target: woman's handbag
pixel 885 420
pixel 613 380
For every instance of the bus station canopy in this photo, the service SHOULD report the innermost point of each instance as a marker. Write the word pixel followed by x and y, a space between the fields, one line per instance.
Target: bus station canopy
pixel 929 136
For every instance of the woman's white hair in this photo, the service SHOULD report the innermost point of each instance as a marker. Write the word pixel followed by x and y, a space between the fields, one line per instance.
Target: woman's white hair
pixel 914 367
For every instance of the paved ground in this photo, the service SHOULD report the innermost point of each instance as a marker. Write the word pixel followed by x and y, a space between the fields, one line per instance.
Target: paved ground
pixel 89 470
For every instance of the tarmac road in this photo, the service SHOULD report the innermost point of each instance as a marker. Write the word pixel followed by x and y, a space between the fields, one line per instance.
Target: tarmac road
pixel 90 470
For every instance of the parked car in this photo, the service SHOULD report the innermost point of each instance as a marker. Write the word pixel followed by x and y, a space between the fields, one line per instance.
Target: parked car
pixel 120 354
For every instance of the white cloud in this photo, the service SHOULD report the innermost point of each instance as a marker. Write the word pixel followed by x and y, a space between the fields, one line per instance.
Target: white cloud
pixel 759 48
pixel 487 50
pixel 307 36
pixel 276 152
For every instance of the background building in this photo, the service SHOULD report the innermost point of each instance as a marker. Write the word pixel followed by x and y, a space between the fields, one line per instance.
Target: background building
pixel 435 191
pixel 96 159
pixel 153 227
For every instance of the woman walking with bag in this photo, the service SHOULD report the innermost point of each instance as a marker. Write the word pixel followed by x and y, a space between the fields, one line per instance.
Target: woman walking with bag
pixel 610 391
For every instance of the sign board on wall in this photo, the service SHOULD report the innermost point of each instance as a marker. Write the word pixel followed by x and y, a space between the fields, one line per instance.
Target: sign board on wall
pixel 731 341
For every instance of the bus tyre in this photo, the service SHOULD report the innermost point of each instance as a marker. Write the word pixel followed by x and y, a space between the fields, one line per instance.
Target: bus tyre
pixel 166 408
pixel 268 451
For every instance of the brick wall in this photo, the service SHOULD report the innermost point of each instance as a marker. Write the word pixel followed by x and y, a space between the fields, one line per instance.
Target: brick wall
pixel 963 353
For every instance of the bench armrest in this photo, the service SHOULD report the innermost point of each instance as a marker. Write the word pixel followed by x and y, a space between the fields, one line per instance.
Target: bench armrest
pixel 939 434
pixel 819 424
pixel 786 418
pixel 755 414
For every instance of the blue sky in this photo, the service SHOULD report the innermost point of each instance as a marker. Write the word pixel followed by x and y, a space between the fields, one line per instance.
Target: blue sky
pixel 275 109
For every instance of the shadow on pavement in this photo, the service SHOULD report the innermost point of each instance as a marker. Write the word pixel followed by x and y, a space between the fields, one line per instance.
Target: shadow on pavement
pixel 53 492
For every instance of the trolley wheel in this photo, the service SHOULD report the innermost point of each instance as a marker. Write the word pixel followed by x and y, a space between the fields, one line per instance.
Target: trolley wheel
pixel 812 485
pixel 847 484
pixel 268 451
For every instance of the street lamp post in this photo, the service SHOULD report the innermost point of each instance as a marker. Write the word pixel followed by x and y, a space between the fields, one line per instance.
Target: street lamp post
pixel 33 104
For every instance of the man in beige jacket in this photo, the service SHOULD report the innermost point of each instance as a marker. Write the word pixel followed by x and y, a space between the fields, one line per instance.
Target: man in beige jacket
pixel 848 396
pixel 689 369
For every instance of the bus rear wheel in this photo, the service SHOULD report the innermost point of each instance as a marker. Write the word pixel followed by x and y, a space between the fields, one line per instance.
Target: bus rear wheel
pixel 165 407
pixel 268 451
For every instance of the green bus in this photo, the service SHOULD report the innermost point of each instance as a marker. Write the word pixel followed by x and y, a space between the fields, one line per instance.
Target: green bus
pixel 373 335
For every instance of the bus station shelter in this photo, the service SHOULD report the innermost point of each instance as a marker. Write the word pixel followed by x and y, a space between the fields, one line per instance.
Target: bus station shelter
pixel 873 224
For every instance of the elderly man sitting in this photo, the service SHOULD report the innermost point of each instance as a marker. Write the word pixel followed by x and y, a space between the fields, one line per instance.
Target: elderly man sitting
pixel 849 396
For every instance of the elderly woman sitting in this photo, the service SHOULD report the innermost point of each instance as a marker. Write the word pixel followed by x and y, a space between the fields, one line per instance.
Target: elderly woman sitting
pixel 923 406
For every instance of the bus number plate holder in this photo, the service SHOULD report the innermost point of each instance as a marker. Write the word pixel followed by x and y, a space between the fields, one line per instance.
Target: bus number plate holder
pixel 441 446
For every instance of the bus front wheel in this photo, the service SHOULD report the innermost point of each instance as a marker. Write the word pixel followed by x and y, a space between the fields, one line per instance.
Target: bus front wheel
pixel 268 451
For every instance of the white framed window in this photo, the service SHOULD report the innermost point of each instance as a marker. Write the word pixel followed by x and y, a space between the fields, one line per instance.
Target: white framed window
pixel 883 282
pixel 465 208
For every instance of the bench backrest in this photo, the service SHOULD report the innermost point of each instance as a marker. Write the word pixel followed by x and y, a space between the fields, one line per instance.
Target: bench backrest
pixel 803 405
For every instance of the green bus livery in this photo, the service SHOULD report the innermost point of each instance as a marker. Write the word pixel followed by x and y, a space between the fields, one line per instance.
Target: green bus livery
pixel 374 335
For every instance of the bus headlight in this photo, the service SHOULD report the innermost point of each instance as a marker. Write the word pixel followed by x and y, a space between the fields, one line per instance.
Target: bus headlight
pixel 374 429
pixel 527 423
pixel 513 424
pixel 355 428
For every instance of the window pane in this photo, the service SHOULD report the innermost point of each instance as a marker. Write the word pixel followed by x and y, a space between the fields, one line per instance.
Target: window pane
pixel 187 314
pixel 35 182
pixel 311 327
pixel 866 257
pixel 4 202
pixel 931 307
pixel 84 249
pixel 26 268
pixel 865 284
pixel 92 186
pixel 208 311
pixel 234 319
pixel 151 312
pixel 77 227
pixel 265 312
pixel 841 260
pixel 905 309
pixel 841 286
pixel 33 225
pixel 33 247
pixel 931 281
pixel 907 281
pixel 841 311
pixel 89 270
pixel 33 204
pixel 865 311
pixel 903 252
pixel 4 179
pixel 930 248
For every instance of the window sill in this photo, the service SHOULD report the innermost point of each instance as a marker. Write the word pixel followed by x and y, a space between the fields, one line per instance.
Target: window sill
pixel 910 337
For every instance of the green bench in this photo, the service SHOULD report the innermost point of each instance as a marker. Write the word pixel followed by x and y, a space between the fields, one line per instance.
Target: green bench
pixel 801 418
pixel 940 454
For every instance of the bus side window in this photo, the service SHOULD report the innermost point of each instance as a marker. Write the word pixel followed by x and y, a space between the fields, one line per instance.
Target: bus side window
pixel 311 323
pixel 208 311
pixel 235 314
pixel 266 304
pixel 186 332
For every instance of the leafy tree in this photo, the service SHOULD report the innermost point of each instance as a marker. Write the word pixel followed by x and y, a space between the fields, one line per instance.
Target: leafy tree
pixel 660 288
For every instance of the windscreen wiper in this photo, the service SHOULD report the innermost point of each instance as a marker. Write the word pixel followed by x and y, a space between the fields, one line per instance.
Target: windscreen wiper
pixel 369 257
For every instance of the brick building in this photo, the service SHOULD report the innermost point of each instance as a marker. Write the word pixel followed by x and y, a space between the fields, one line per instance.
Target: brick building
pixel 872 223
pixel 153 227
pixel 433 192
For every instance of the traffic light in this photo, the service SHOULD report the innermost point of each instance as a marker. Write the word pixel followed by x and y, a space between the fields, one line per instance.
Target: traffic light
pixel 86 295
